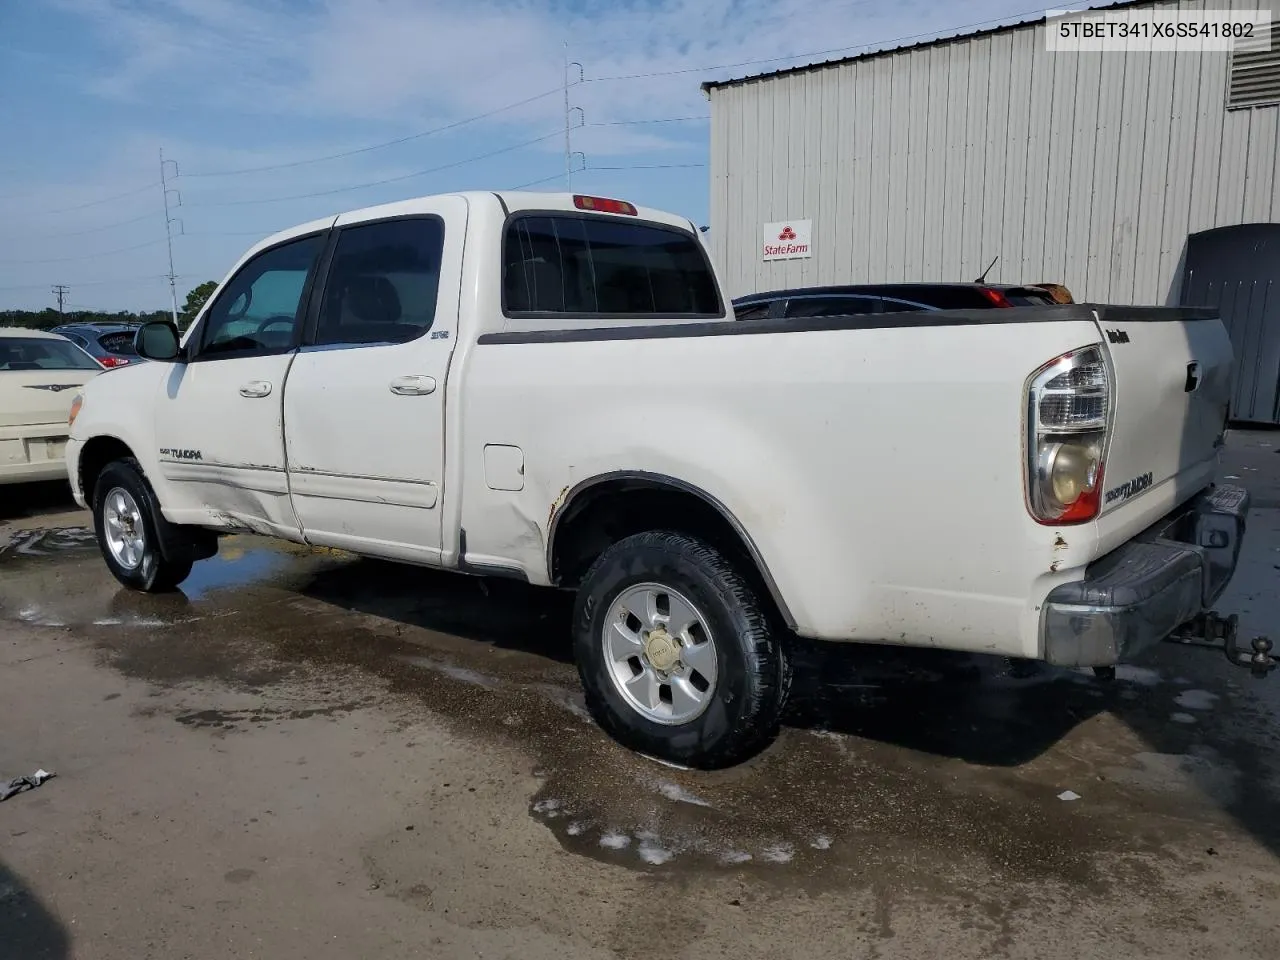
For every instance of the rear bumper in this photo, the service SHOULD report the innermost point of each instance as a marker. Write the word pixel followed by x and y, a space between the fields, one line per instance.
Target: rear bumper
pixel 32 453
pixel 1142 592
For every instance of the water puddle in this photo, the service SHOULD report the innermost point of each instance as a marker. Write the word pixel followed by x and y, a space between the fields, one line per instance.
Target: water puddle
pixel 40 544
pixel 57 578
pixel 235 566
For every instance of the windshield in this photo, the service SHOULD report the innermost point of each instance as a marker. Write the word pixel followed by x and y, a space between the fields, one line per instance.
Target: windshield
pixel 22 353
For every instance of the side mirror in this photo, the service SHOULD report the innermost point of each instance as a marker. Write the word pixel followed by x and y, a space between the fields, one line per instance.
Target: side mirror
pixel 157 340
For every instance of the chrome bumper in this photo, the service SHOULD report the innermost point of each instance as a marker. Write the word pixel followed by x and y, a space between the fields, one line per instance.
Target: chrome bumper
pixel 1142 592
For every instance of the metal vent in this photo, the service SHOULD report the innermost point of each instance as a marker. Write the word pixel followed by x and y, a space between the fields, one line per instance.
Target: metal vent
pixel 1255 72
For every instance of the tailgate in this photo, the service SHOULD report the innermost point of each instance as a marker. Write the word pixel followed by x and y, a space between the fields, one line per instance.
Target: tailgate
pixel 1173 370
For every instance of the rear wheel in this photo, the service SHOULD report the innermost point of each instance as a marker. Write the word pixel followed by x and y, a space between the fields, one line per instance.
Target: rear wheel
pixel 676 654
pixel 124 518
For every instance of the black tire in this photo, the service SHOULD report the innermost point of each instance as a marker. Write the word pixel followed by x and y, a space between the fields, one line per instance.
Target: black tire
pixel 155 572
pixel 753 666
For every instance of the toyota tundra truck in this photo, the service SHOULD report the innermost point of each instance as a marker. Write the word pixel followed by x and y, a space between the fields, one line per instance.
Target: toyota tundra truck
pixel 552 387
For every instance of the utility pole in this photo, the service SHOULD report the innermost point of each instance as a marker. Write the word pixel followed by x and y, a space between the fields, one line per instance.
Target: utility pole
pixel 168 229
pixel 60 291
pixel 568 114
pixel 568 155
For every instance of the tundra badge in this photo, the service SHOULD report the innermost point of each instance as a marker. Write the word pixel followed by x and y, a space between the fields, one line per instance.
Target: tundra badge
pixel 169 453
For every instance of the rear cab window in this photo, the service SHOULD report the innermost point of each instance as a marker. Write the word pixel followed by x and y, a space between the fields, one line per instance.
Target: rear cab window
pixel 119 343
pixel 575 266
pixel 22 353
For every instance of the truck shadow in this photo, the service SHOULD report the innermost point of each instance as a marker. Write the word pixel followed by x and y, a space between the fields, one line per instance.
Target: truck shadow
pixel 984 710
pixel 24 500
pixel 502 613
pixel 27 929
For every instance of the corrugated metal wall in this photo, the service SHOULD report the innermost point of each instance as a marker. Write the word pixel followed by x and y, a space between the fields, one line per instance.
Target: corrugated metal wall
pixel 1084 169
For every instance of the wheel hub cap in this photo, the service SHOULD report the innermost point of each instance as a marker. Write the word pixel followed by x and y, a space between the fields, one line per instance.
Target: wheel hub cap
pixel 660 654
pixel 123 529
pixel 662 649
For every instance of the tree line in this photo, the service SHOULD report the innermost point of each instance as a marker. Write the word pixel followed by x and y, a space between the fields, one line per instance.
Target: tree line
pixel 48 318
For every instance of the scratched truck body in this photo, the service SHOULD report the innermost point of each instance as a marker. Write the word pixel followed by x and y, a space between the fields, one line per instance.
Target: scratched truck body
pixel 554 388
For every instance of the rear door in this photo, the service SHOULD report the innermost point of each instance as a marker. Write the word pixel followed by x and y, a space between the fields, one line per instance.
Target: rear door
pixel 364 404
pixel 1172 387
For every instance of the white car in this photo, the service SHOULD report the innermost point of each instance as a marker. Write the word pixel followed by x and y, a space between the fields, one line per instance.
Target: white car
pixel 551 387
pixel 40 376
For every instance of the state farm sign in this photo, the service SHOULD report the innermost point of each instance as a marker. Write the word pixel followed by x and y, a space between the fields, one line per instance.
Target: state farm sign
pixel 787 240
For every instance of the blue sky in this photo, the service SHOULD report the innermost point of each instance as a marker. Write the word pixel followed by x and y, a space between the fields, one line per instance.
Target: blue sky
pixel 92 90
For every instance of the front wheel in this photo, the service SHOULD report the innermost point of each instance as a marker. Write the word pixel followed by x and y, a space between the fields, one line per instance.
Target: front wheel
pixel 124 520
pixel 676 654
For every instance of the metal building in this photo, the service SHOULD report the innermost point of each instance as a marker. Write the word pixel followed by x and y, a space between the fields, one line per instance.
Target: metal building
pixel 927 162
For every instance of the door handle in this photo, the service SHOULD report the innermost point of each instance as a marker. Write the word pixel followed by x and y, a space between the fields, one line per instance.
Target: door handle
pixel 415 386
pixel 1193 377
pixel 255 388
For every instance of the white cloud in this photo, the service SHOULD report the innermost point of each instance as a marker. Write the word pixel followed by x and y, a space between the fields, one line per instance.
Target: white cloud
pixel 272 81
pixel 419 62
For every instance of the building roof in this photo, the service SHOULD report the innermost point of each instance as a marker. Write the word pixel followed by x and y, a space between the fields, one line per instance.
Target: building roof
pixel 710 85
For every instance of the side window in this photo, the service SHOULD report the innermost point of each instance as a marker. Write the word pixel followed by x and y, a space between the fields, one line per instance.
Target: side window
pixel 590 266
pixel 259 310
pixel 830 306
pixel 753 311
pixel 383 283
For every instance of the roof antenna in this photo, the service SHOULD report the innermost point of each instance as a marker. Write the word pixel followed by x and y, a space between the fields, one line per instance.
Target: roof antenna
pixel 983 278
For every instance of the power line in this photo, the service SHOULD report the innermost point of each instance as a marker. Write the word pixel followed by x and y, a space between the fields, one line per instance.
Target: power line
pixel 892 41
pixel 60 291
pixel 94 203
pixel 386 143
pixel 652 166
pixel 234 233
pixel 92 283
pixel 98 229
pixel 627 123
pixel 534 183
pixel 91 256
pixel 379 183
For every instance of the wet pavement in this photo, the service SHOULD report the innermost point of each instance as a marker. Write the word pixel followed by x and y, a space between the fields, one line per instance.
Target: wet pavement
pixel 999 795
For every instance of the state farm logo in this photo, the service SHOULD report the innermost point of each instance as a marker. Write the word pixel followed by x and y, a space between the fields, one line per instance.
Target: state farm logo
pixel 786 239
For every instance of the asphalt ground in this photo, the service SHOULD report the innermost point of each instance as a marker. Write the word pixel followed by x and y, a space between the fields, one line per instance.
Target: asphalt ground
pixel 304 754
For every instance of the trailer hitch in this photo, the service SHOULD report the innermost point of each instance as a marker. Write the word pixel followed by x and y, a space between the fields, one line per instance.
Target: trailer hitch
pixel 1221 633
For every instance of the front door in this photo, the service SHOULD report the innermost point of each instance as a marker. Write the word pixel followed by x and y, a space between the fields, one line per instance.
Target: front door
pixel 219 416
pixel 364 406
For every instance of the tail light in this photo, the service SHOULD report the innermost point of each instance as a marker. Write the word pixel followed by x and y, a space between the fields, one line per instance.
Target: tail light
pixel 112 362
pixel 1068 404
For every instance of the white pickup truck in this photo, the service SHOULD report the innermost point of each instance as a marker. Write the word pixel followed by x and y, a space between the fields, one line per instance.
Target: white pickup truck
pixel 554 387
